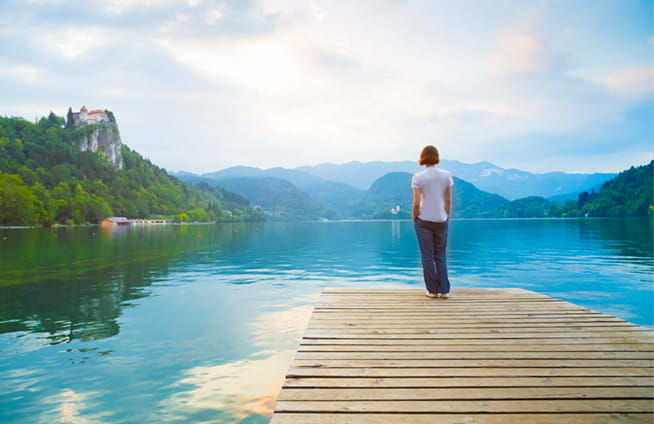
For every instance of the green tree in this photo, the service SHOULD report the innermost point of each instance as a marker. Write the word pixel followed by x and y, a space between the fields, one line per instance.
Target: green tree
pixel 70 120
pixel 48 210
pixel 63 202
pixel 197 215
pixel 28 176
pixel 18 205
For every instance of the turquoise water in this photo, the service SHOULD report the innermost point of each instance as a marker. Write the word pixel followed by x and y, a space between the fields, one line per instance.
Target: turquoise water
pixel 198 323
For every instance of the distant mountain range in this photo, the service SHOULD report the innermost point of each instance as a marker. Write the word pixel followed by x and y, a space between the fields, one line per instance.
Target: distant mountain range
pixel 509 183
pixel 382 189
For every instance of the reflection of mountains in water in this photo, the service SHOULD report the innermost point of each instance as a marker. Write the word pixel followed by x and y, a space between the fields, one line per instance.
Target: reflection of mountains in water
pixel 73 283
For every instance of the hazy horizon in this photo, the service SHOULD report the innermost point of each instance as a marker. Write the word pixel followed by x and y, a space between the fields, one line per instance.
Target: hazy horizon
pixel 442 164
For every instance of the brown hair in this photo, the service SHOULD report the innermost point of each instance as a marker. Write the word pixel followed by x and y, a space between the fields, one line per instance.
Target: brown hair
pixel 429 156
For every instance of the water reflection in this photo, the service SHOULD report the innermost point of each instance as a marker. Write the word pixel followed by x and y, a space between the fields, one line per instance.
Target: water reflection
pixel 72 283
pixel 199 323
pixel 246 388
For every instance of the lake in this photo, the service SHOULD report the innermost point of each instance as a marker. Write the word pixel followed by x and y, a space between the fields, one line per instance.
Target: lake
pixel 199 323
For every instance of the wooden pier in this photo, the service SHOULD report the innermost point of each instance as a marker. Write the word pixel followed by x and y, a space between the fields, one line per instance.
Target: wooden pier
pixel 391 356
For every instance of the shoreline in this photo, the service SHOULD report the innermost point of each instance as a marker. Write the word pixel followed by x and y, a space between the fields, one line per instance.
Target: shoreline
pixel 166 222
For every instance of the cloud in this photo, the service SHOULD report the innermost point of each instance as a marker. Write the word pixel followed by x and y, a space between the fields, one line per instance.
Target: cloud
pixel 213 15
pixel 23 73
pixel 285 83
pixel 71 43
pixel 524 52
pixel 637 81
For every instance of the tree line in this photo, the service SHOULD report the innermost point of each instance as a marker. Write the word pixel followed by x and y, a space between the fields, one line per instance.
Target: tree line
pixel 46 179
pixel 629 194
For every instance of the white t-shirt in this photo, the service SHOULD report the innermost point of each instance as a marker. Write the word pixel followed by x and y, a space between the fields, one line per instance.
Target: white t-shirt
pixel 432 182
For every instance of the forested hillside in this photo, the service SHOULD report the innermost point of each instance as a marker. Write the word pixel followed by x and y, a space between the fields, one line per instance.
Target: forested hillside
pixel 630 193
pixel 394 189
pixel 45 179
pixel 277 197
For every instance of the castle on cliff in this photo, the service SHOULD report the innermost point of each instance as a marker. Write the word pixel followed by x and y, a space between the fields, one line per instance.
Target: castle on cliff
pixel 84 117
pixel 104 138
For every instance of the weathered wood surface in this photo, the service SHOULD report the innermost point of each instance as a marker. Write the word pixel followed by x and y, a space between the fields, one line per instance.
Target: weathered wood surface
pixel 483 356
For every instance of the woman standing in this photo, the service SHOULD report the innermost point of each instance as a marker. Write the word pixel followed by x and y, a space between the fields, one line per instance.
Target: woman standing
pixel 432 203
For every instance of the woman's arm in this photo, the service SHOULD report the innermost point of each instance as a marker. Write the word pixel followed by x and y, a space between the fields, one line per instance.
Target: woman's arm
pixel 417 199
pixel 448 201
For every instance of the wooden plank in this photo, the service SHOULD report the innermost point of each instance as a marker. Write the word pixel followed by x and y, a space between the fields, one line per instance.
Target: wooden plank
pixel 443 323
pixel 478 341
pixel 449 307
pixel 503 418
pixel 472 406
pixel 503 291
pixel 641 335
pixel 497 347
pixel 483 356
pixel 511 355
pixel 469 372
pixel 538 331
pixel 367 382
pixel 445 320
pixel 474 363
pixel 467 394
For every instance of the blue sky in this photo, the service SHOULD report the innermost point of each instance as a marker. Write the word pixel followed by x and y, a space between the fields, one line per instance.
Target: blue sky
pixel 203 85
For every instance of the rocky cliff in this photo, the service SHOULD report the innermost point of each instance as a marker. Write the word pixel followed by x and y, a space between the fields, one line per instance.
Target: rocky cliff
pixel 106 140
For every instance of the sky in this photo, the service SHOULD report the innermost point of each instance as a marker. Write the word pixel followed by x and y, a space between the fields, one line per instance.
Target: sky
pixel 200 85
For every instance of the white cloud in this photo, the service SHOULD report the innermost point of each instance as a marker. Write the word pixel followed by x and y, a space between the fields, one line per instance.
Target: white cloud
pixel 74 42
pixel 334 81
pixel 22 73
pixel 523 52
pixel 213 15
pixel 637 81
pixel 119 7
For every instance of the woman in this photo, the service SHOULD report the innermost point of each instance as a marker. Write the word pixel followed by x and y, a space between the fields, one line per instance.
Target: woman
pixel 432 204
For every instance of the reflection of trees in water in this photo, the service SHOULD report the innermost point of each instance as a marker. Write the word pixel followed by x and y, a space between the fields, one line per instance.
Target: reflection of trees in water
pixel 631 238
pixel 76 281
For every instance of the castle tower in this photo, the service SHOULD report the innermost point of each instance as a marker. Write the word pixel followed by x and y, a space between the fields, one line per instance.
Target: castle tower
pixel 83 114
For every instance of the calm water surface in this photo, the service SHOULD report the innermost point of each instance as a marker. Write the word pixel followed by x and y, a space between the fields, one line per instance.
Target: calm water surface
pixel 198 324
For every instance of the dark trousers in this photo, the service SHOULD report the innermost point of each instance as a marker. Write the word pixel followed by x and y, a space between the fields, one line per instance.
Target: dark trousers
pixel 432 238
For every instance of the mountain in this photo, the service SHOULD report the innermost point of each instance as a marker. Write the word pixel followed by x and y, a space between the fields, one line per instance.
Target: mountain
pixel 337 197
pixel 630 193
pixel 276 197
pixel 333 197
pixel 528 207
pixel 509 183
pixel 58 171
pixel 514 183
pixel 470 202
pixel 384 196
pixel 393 190
pixel 358 174
pixel 389 196
pixel 298 178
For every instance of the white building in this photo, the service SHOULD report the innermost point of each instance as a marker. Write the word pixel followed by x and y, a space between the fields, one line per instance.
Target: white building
pixel 84 117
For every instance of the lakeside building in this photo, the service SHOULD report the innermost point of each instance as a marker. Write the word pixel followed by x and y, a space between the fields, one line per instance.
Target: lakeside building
pixel 115 220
